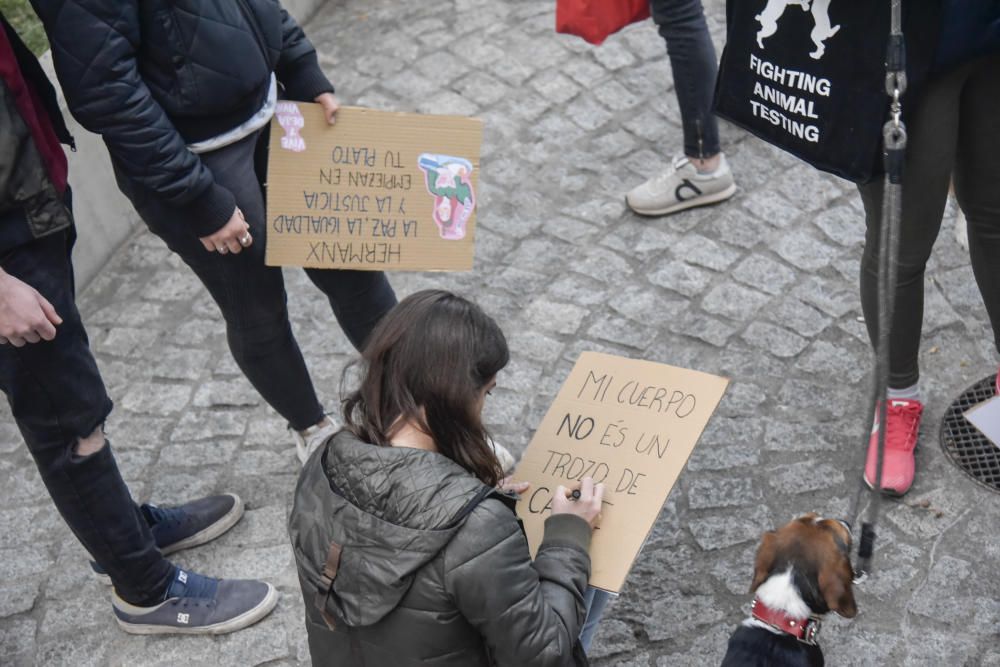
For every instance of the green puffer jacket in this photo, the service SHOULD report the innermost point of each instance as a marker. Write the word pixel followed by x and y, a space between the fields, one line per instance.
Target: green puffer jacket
pixel 429 567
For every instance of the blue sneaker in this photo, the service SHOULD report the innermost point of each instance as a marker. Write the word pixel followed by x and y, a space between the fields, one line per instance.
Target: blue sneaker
pixel 189 525
pixel 199 605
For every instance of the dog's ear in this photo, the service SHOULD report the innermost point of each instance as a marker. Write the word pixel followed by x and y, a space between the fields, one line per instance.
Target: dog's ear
pixel 764 560
pixel 836 587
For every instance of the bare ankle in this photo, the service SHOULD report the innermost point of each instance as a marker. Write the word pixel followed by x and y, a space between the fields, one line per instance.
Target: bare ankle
pixel 325 421
pixel 706 164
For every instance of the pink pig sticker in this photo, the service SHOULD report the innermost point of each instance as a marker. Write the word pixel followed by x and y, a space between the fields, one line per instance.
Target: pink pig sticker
pixel 291 121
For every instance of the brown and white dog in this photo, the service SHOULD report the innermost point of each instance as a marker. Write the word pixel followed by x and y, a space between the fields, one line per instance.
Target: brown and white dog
pixel 801 572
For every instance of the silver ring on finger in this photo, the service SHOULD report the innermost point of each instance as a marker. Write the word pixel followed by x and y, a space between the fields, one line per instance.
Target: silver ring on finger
pixel 245 239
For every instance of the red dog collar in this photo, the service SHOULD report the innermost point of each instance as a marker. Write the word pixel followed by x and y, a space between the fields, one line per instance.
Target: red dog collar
pixel 803 629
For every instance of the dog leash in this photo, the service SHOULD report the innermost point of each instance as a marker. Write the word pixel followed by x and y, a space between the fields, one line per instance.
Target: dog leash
pixel 894 150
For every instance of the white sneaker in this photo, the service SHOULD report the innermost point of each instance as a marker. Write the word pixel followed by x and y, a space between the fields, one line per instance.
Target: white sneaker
pixel 506 459
pixel 309 440
pixel 681 187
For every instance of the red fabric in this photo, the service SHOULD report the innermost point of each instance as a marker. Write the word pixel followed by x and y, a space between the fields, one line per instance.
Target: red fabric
pixel 594 20
pixel 30 106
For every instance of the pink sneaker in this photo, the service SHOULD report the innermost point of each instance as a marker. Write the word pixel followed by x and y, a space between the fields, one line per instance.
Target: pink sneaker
pixel 903 419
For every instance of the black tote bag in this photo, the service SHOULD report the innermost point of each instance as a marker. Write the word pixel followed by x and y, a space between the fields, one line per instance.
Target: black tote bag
pixel 809 76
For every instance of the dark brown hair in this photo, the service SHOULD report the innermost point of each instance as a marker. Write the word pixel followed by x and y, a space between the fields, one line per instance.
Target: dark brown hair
pixel 434 351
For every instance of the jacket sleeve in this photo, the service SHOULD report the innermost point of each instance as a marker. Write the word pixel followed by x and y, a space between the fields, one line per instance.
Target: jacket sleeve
pixel 298 68
pixel 528 613
pixel 94 45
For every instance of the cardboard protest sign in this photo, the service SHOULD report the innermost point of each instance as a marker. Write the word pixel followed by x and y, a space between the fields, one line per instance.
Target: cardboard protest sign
pixel 630 424
pixel 379 190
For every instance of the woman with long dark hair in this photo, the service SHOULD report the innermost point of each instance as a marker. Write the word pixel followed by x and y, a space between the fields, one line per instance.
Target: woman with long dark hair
pixel 407 552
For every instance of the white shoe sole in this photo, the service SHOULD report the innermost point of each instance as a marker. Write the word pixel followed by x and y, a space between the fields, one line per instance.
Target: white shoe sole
pixel 244 620
pixel 205 535
pixel 694 202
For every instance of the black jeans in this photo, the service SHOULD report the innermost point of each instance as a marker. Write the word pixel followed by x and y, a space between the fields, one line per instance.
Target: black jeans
pixel 57 396
pixel 692 60
pixel 252 296
pixel 953 130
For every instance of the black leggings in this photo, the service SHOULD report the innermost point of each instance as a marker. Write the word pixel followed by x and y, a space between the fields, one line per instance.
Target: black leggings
pixel 953 131
pixel 251 295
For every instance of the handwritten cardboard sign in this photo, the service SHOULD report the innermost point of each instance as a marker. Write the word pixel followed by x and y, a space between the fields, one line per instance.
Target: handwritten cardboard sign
pixel 630 424
pixel 379 190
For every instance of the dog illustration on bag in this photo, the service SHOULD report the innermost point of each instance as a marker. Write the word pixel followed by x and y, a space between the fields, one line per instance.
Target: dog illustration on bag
pixel 822 29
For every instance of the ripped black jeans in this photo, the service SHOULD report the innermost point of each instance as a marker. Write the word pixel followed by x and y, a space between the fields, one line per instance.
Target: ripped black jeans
pixel 57 396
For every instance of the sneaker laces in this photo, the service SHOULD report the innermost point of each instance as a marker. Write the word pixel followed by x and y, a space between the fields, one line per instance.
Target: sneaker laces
pixel 902 423
pixel 187 584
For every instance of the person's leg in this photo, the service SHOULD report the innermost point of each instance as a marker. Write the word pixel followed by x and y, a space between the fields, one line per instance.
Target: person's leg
pixel 59 402
pixel 702 176
pixel 359 299
pixel 932 131
pixel 250 294
pixel 595 600
pixel 693 63
pixel 977 176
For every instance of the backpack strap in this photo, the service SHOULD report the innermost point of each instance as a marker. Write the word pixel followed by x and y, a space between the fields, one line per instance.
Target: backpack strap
pixel 482 494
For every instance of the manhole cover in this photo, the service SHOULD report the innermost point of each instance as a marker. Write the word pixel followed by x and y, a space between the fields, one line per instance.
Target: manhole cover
pixel 967 448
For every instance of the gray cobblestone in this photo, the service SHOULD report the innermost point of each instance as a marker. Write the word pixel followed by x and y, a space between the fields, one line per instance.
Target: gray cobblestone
pixel 681 277
pixel 481 88
pixel 716 493
pixel 558 317
pixel 804 250
pixel 734 301
pixel 697 249
pixel 448 103
pixel 808 189
pixel 730 528
pixel 17 641
pixel 613 55
pixel 804 477
pixel 616 97
pixel 702 327
pixel 834 299
pixel 17 598
pixel 773 210
pixel 843 225
pixel 555 87
pixel 778 341
pixel 587 113
pixel 764 274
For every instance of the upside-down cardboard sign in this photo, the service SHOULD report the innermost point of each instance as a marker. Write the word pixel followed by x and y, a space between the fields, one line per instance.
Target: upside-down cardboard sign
pixel 627 423
pixel 379 190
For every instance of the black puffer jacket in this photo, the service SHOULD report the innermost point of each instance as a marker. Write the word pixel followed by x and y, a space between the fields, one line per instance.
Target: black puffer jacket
pixel 151 76
pixel 426 575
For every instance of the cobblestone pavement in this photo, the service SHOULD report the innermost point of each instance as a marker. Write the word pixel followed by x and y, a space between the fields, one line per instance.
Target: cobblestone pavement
pixel 762 289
